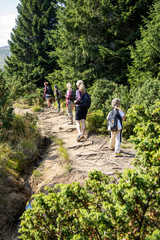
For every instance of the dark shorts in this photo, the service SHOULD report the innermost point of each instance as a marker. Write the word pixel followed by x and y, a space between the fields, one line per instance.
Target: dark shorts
pixel 48 96
pixel 80 113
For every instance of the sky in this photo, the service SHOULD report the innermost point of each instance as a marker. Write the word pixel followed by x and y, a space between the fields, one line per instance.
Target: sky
pixel 8 15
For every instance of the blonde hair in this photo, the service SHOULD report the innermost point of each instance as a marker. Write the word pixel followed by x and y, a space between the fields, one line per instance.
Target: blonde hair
pixel 80 85
pixel 46 83
pixel 116 103
pixel 69 86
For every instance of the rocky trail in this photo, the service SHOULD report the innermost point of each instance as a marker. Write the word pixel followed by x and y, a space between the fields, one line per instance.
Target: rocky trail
pixel 90 154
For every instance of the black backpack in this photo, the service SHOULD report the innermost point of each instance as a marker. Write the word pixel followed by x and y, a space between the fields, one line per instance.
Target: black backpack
pixel 113 118
pixel 49 90
pixel 59 95
pixel 73 96
pixel 85 101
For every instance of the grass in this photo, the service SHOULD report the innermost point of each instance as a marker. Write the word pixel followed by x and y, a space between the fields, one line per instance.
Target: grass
pixel 126 144
pixel 37 173
pixel 63 154
pixel 37 108
pixel 21 105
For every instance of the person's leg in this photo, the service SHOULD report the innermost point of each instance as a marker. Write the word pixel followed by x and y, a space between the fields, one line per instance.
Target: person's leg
pixel 83 126
pixel 112 140
pixel 47 99
pixel 78 126
pixel 70 115
pixel 48 103
pixel 58 105
pixel 118 145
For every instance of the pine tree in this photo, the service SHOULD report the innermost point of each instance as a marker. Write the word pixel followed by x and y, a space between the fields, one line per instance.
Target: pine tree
pixel 94 36
pixel 29 42
pixel 146 54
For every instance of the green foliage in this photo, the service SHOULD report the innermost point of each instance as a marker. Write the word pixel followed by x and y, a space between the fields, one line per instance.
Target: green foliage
pixel 155 235
pixel 96 122
pixel 147 94
pixel 23 135
pixel 37 108
pixel 93 38
pixel 103 91
pixel 63 154
pixel 146 53
pixel 101 209
pixel 10 161
pixel 147 137
pixel 6 115
pixel 18 147
pixel 29 44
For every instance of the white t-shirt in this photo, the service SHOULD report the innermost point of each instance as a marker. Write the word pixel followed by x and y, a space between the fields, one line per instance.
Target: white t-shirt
pixel 119 123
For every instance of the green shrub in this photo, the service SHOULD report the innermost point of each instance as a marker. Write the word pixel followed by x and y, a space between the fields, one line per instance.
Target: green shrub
pixel 96 122
pixel 146 134
pixel 147 94
pixel 102 209
pixel 102 93
pixel 101 90
pixel 37 108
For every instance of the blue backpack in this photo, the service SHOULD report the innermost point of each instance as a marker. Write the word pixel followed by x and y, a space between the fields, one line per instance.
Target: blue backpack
pixel 85 101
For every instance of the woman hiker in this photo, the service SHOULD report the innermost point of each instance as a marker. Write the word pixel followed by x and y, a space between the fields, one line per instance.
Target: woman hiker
pixel 80 112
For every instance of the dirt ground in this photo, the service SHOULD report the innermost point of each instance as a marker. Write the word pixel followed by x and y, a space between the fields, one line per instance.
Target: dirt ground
pixel 85 156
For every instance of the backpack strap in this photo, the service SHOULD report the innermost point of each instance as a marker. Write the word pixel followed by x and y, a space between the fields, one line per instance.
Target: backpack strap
pixel 119 116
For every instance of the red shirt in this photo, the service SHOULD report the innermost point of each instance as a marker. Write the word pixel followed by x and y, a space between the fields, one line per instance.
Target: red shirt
pixel 68 96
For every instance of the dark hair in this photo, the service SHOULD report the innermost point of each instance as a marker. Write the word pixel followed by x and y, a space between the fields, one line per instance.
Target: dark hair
pixel 56 86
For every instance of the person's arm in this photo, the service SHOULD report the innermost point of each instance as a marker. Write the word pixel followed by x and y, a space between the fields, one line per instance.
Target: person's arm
pixel 123 118
pixel 78 96
pixel 122 115
pixel 45 90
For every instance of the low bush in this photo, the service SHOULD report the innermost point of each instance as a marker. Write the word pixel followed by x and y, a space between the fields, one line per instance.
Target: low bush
pixel 96 122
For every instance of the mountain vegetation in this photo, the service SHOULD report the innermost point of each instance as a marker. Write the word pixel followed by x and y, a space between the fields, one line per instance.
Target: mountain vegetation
pixel 113 46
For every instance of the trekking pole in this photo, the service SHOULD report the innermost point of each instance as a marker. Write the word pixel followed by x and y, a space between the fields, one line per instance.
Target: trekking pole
pixel 104 143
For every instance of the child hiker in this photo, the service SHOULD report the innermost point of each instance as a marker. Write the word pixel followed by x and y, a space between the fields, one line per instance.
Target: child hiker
pixel 115 118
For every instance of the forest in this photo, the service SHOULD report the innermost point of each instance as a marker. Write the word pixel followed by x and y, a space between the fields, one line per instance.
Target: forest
pixel 114 47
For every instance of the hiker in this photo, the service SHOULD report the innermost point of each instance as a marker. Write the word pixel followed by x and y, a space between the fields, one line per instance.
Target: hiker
pixel 69 102
pixel 80 112
pixel 115 118
pixel 57 97
pixel 47 93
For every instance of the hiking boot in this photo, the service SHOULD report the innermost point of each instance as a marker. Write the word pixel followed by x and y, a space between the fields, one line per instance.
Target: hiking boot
pixel 80 137
pixel 111 148
pixel 118 155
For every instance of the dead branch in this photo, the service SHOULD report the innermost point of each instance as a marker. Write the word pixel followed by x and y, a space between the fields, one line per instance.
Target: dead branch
pixel 104 143
pixel 92 163
pixel 89 154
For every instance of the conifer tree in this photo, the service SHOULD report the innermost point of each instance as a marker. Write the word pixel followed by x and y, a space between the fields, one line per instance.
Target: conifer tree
pixel 146 54
pixel 94 36
pixel 29 42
